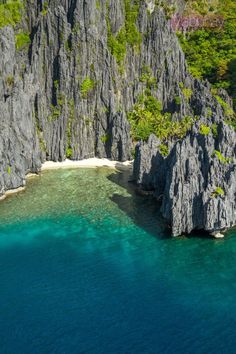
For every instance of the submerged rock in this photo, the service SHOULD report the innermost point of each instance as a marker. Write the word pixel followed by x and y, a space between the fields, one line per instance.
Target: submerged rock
pixel 218 235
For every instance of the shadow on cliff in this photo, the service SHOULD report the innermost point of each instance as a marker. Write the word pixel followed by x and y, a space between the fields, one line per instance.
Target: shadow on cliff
pixel 143 210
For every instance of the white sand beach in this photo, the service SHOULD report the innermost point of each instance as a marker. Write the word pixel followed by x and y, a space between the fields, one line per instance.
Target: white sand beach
pixel 87 163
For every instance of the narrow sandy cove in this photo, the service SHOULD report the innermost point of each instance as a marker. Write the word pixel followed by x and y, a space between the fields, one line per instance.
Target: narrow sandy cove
pixel 87 163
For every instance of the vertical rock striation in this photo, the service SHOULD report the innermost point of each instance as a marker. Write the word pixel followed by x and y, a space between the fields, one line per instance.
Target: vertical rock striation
pixel 68 92
pixel 196 182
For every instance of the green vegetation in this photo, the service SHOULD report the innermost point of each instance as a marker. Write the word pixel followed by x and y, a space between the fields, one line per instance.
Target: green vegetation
pixel 69 152
pixel 218 192
pixel 105 138
pixel 211 52
pixel 22 40
pixel 202 7
pixel 127 35
pixel 147 77
pixel 61 99
pixel 11 13
pixel 45 8
pixel 168 8
pixel 56 84
pixel 9 170
pixel 178 100
pixel 86 86
pixel 147 117
pixel 187 92
pixel 226 107
pixel 204 129
pixel 221 158
pixel 98 5
pixel 56 109
pixel 214 129
pixel 209 112
pixel 164 150
pixel 231 122
pixel 68 47
pixel 55 113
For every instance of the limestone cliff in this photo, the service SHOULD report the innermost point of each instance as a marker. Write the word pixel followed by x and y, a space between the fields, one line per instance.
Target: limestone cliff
pixel 67 94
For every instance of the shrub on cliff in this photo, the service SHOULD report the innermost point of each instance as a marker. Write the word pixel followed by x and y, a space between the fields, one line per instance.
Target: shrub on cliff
pixel 10 13
pixel 147 117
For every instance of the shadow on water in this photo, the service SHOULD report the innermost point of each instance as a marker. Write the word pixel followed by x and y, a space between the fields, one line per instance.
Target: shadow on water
pixel 143 210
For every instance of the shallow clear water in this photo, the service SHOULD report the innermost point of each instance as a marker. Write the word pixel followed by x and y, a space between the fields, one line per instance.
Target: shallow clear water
pixel 87 266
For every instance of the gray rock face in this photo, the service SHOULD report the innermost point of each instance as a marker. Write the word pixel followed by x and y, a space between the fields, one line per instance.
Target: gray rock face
pixel 67 96
pixel 196 182
pixel 19 149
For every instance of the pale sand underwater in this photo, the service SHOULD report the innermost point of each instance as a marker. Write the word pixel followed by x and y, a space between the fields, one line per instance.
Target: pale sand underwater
pixel 86 163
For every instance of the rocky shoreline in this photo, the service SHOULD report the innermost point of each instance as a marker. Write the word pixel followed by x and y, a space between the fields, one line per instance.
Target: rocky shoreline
pixel 68 94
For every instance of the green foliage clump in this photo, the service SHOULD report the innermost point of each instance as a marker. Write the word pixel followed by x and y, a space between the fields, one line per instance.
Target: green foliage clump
pixel 9 170
pixel 164 151
pixel 22 40
pixel 147 77
pixel 178 100
pixel 57 109
pixel 211 52
pixel 232 122
pixel 202 7
pixel 68 47
pixel 226 107
pixel 168 8
pixel 69 152
pixel 117 45
pixel 147 117
pixel 55 113
pixel 127 35
pixel 218 192
pixel 10 13
pixel 204 129
pixel 61 99
pixel 105 138
pixel 45 8
pixel 187 92
pixel 214 129
pixel 86 86
pixel 229 112
pixel 56 84
pixel 209 112
pixel 98 5
pixel 222 158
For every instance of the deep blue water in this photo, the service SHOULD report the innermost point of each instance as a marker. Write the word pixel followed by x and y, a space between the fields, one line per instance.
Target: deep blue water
pixel 87 266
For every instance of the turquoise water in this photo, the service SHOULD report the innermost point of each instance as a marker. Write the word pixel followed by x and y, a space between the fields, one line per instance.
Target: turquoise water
pixel 87 266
